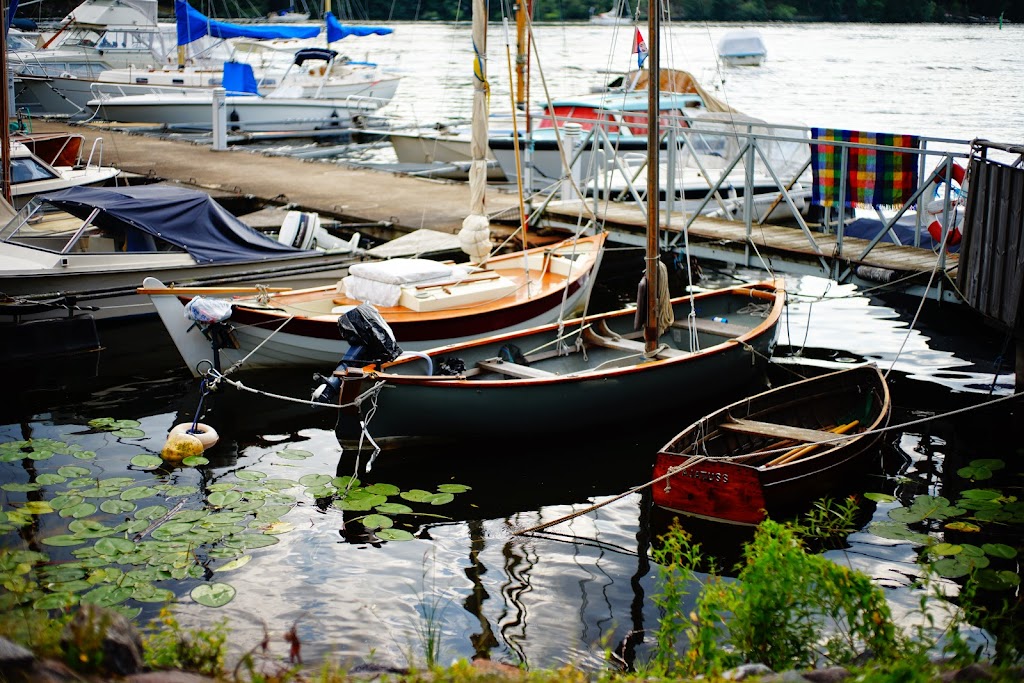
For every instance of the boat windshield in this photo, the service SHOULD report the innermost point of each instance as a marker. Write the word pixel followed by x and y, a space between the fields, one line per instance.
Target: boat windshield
pixel 26 169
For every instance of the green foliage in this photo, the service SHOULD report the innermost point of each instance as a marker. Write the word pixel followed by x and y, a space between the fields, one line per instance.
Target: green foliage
pixel 169 646
pixel 789 609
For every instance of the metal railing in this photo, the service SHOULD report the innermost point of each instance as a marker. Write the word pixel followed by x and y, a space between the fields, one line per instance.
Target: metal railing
pixel 686 142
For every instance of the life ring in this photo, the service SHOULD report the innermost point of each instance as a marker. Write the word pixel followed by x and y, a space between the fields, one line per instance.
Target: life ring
pixel 955 197
pixel 959 174
pixel 206 434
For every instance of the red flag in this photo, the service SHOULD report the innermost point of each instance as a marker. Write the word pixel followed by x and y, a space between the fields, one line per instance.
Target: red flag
pixel 639 49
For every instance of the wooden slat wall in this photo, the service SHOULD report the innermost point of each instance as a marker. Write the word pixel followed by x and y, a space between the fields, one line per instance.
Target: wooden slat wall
pixel 991 273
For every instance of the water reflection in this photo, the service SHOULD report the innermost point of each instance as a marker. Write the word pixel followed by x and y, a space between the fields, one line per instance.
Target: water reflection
pixel 558 596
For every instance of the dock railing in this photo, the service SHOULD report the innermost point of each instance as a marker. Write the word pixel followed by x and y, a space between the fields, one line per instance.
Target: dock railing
pixel 755 172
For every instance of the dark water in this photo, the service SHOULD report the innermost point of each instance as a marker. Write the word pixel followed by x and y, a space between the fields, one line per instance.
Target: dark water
pixel 553 597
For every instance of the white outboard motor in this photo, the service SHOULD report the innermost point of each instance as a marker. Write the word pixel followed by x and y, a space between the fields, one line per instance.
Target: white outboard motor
pixel 302 230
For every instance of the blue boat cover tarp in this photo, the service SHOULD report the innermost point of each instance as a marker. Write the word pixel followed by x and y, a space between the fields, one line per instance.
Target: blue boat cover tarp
pixel 239 78
pixel 335 31
pixel 193 25
pixel 186 218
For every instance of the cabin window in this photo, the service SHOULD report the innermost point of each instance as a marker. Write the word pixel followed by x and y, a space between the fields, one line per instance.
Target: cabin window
pixel 27 169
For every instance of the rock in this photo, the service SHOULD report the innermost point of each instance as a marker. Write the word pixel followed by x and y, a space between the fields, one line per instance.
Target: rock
pixel 96 628
pixel 12 654
pixel 746 671
pixel 979 671
pixel 784 677
pixel 52 671
pixel 830 674
pixel 498 670
pixel 169 677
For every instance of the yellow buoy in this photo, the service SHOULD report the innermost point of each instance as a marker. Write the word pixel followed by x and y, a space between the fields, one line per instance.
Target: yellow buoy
pixel 181 446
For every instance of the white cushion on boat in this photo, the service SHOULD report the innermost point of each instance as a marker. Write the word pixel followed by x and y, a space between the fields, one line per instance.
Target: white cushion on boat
pixel 376 293
pixel 403 271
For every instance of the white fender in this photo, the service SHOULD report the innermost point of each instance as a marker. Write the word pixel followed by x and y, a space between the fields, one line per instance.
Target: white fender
pixel 206 434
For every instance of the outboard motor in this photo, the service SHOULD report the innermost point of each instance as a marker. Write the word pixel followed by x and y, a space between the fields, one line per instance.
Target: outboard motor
pixel 210 316
pixel 370 340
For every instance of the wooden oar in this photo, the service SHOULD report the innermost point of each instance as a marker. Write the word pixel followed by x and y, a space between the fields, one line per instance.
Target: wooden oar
pixel 209 291
pixel 792 455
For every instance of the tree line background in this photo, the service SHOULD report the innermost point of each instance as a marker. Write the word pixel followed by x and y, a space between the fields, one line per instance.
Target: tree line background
pixel 579 10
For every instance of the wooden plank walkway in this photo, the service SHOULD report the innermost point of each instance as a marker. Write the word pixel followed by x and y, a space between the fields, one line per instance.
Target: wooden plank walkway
pixel 349 194
pixel 789 243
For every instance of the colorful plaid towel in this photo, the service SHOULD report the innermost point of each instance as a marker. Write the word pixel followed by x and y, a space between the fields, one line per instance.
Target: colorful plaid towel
pixel 873 177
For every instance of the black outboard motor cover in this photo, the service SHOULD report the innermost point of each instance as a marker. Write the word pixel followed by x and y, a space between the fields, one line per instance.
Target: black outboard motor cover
pixel 363 327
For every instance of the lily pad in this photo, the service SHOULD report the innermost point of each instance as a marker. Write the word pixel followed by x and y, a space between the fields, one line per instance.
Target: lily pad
pixel 129 433
pixel 234 564
pixel 393 509
pixel 394 535
pixel 981 469
pixel 958 565
pixel 383 489
pixel 138 493
pixel 374 522
pixel 63 540
pixel 1000 550
pixel 117 506
pixel 221 498
pixel 250 475
pixel 312 480
pixel 897 531
pixel 945 549
pixel 195 461
pixel 20 488
pixel 114 547
pixel 926 507
pixel 294 454
pixel 50 479
pixel 990 579
pixel 72 471
pixel 251 541
pixel 151 512
pixel 146 461
pixel 981 494
pixel 107 595
pixel 60 600
pixel 78 511
pixel 963 526
pixel 37 507
pixel 87 528
pixel 462 488
pixel 213 594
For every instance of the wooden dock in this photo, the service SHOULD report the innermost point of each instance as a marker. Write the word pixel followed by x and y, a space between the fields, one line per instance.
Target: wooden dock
pixel 789 249
pixel 351 195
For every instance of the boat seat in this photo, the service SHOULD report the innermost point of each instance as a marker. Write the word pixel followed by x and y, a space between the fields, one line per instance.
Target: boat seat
pixel 708 326
pixel 610 340
pixel 503 367
pixel 778 431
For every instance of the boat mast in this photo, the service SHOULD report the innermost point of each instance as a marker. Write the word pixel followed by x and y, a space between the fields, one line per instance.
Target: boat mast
pixel 653 190
pixel 474 237
pixel 524 9
pixel 5 153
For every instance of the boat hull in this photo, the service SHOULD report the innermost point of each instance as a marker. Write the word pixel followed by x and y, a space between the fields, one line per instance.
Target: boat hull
pixel 248 113
pixel 565 399
pixel 280 335
pixel 744 489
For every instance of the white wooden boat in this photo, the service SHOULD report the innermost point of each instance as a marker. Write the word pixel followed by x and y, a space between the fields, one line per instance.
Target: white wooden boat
pixel 742 47
pixel 443 304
